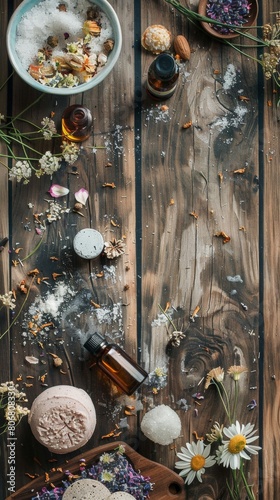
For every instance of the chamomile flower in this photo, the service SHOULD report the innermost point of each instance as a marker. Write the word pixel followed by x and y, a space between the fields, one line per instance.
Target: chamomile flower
pixel 216 374
pixel 239 445
pixel 235 371
pixel 194 459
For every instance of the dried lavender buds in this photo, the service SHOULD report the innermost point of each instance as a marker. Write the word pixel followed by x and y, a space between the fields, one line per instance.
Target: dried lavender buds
pixel 234 13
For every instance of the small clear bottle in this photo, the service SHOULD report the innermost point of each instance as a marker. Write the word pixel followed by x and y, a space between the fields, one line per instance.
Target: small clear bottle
pixel 115 363
pixel 76 123
pixel 162 77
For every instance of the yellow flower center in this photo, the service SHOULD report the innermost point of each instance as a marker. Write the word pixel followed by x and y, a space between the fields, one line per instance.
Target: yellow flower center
pixel 197 462
pixel 237 444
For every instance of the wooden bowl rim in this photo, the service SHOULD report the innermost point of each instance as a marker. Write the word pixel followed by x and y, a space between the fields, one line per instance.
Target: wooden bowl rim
pixel 202 11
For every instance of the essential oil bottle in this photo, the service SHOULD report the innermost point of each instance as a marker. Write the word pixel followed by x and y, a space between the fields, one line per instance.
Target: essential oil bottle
pixel 162 77
pixel 76 123
pixel 115 363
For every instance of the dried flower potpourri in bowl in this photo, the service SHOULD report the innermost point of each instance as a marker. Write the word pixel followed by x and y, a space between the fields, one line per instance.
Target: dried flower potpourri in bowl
pixel 64 47
pixel 233 16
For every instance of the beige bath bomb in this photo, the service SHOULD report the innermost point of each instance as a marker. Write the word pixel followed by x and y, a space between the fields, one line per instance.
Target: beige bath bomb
pixel 161 425
pixel 86 489
pixel 156 38
pixel 62 418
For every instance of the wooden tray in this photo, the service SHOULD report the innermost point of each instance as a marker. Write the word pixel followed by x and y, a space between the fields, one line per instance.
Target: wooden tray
pixel 167 484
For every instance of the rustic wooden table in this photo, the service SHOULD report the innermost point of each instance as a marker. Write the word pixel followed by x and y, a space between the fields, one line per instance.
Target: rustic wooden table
pixel 176 190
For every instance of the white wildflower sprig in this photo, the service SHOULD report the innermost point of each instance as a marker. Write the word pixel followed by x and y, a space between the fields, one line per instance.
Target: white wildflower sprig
pixel 8 300
pixel 9 392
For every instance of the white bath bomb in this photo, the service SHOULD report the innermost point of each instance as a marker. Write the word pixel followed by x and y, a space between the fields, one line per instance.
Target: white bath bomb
pixel 62 418
pixel 161 425
pixel 86 489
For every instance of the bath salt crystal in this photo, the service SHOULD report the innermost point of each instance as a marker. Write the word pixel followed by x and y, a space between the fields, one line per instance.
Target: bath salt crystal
pixel 45 20
pixel 161 425
pixel 229 79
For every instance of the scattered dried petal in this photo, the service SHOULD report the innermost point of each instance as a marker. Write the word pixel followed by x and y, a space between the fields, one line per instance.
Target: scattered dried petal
pixel 32 360
pixel 193 315
pixel 56 191
pixel 97 306
pixel 194 214
pixel 223 235
pixel 109 184
pixel 56 275
pixel 81 196
pixel 187 125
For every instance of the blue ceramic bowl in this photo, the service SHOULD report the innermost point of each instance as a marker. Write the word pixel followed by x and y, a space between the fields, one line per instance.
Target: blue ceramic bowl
pixel 113 56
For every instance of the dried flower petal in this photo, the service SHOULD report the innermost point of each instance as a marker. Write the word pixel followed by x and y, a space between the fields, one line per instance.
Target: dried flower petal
pixel 32 360
pixel 56 191
pixel 81 196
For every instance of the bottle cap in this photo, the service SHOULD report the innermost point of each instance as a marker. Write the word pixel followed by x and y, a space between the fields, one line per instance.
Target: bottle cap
pixel 94 342
pixel 165 66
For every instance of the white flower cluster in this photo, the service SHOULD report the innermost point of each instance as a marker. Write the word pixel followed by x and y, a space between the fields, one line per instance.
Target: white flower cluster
pixel 49 164
pixel 21 170
pixel 8 300
pixel 70 152
pixel 49 128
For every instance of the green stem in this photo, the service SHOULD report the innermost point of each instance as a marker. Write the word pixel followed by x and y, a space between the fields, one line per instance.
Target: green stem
pixel 227 410
pixel 168 317
pixel 228 402
pixel 25 109
pixel 7 79
pixel 236 391
pixel 33 251
pixel 249 492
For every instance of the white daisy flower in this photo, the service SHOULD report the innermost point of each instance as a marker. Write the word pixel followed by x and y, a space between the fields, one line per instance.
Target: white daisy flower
pixel 194 459
pixel 240 439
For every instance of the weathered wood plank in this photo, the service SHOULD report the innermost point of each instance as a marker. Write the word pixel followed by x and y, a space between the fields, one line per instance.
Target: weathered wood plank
pixel 269 306
pixel 184 263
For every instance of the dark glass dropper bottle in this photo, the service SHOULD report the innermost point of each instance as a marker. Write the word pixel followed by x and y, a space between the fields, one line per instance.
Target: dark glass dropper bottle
pixel 114 361
pixel 76 123
pixel 162 78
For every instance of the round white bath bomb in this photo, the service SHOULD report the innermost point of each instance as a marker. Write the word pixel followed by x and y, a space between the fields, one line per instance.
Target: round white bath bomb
pixel 120 495
pixel 161 425
pixel 88 243
pixel 86 489
pixel 62 418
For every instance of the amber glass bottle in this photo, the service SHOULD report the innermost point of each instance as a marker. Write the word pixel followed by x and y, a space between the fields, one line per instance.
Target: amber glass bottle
pixel 162 78
pixel 76 123
pixel 114 361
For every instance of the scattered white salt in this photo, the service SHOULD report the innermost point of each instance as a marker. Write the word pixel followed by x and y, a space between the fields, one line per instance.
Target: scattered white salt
pixel 229 79
pixel 161 425
pixel 157 114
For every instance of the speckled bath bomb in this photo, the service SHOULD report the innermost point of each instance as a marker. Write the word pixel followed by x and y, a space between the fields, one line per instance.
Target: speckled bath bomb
pixel 86 489
pixel 161 425
pixel 62 418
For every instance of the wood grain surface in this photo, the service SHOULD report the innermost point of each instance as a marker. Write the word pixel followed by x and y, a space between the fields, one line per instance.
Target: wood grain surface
pixel 176 191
